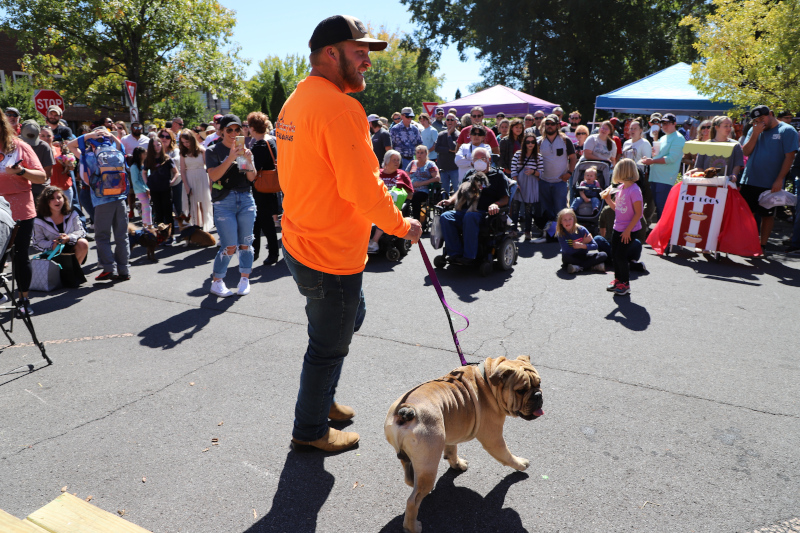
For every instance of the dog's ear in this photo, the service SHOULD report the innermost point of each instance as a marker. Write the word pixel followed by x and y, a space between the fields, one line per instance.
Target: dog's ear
pixel 524 358
pixel 499 374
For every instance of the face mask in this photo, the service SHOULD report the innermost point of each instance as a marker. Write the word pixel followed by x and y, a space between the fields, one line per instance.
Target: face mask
pixel 480 165
pixel 655 128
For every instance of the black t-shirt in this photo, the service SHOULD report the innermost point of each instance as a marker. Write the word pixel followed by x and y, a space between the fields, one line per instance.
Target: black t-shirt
pixel 380 141
pixel 158 178
pixel 232 180
pixel 445 159
pixel 62 133
pixel 262 158
pixel 497 189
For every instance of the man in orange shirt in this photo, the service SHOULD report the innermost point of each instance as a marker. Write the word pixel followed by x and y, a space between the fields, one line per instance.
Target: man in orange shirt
pixel 332 194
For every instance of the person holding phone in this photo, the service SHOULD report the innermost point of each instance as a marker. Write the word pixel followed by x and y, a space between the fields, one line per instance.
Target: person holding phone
pixel 231 171
pixel 19 167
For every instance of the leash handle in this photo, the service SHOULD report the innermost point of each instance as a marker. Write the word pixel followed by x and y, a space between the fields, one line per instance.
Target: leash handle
pixel 447 308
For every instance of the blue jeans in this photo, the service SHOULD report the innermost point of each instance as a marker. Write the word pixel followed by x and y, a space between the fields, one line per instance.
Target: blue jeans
pixel 335 309
pixel 86 201
pixel 604 245
pixel 660 194
pixel 469 223
pixel 553 197
pixel 177 199
pixel 234 216
pixel 576 203
pixel 449 182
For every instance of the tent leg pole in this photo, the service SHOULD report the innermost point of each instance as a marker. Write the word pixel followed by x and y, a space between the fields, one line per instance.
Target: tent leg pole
pixel 594 119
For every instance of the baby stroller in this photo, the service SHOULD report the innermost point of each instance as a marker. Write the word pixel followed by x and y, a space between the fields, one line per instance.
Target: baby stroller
pixel 585 214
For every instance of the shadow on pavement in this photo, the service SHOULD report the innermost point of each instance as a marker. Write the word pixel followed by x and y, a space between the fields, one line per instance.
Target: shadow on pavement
pixel 458 509
pixel 546 250
pixel 200 257
pixel 466 282
pixel 303 488
pixel 164 334
pixel 632 316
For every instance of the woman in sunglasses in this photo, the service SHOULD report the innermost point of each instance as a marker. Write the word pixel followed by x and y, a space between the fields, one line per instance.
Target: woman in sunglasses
pixel 167 139
pixel 526 167
pixel 160 171
pixel 234 207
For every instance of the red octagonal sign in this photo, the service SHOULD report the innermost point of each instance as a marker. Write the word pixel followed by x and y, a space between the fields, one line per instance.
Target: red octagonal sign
pixel 44 98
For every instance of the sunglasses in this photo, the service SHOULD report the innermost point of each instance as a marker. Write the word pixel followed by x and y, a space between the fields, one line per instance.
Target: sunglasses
pixel 476 116
pixel 530 142
pixel 581 134
pixel 549 123
pixel 450 120
pixel 12 115
pixel 396 119
pixel 538 118
pixel 233 130
pixel 705 127
pixel 478 134
pixel 163 136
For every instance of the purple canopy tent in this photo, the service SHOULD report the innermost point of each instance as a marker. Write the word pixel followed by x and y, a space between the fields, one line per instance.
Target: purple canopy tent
pixel 500 98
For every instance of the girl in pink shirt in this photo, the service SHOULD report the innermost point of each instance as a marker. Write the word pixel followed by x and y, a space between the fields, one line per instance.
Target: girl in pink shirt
pixel 628 207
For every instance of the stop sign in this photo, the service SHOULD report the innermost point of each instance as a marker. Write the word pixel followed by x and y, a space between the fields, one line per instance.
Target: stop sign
pixel 44 98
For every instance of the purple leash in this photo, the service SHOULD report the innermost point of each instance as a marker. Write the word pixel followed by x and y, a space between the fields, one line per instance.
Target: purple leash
pixel 447 308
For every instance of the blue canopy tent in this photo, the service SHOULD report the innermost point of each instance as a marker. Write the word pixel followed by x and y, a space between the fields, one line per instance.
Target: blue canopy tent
pixel 666 90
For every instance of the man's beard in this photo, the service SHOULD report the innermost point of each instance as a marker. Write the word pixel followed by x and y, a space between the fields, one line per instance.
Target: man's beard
pixel 353 81
pixel 52 121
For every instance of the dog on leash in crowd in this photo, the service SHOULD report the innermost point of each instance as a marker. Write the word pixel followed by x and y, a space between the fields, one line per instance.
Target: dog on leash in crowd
pixel 470 191
pixel 195 235
pixel 149 238
pixel 471 402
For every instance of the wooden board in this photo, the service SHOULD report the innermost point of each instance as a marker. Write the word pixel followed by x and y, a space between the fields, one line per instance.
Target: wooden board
pixel 12 524
pixel 68 514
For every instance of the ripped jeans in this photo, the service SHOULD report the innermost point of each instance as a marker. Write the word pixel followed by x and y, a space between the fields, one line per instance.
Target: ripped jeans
pixel 234 216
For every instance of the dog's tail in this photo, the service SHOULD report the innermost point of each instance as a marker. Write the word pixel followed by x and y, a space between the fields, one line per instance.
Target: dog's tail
pixel 405 413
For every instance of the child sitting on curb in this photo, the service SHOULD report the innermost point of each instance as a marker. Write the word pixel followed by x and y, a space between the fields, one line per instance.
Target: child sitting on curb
pixel 578 249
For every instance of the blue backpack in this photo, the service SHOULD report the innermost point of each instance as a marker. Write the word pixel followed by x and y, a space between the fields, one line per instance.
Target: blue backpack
pixel 105 166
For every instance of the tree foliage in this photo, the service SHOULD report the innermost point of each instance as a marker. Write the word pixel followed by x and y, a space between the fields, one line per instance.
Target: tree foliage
pixel 292 69
pixel 394 81
pixel 278 96
pixel 749 53
pixel 564 51
pixel 188 105
pixel 86 48
pixel 20 95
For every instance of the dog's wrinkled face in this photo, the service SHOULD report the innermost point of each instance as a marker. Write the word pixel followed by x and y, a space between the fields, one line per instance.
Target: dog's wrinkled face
pixel 516 386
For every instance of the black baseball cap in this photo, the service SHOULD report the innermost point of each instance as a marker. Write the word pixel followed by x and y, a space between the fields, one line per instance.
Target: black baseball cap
pixel 759 111
pixel 227 120
pixel 340 28
pixel 669 117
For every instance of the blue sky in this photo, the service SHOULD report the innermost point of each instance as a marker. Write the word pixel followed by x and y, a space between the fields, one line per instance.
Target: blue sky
pixel 284 27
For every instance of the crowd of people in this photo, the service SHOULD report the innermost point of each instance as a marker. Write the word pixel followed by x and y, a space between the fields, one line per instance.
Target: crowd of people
pixel 174 177
pixel 538 153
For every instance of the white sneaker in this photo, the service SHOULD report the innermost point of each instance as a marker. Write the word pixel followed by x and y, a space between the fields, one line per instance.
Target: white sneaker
pixel 218 287
pixel 540 240
pixel 244 287
pixel 509 221
pixel 373 247
pixel 599 267
pixel 574 269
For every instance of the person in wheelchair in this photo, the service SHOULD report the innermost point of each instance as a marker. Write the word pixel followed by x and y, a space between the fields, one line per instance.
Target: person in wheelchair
pixel 423 173
pixel 393 177
pixel 465 220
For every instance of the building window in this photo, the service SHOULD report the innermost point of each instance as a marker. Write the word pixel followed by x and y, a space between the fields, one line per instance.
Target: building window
pixel 17 75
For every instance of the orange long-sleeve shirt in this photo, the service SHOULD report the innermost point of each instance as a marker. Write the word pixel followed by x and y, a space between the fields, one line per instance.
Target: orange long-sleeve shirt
pixel 330 180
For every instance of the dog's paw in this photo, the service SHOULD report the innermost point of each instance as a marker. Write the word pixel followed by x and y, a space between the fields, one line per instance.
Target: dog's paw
pixel 522 464
pixel 461 464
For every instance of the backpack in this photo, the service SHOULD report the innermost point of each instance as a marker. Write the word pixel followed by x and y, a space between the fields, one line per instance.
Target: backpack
pixel 105 166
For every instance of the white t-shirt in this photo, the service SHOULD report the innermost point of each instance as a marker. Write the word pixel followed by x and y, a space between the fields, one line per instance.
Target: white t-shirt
pixel 211 138
pixel 129 142
pixel 600 148
pixel 637 150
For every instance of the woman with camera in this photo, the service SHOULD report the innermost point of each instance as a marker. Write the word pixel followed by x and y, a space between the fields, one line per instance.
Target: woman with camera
pixel 19 167
pixel 231 171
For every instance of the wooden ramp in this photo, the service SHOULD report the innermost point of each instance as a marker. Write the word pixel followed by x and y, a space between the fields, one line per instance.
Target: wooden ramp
pixel 68 514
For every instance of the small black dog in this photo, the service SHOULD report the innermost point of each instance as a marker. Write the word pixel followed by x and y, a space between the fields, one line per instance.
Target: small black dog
pixel 469 192
pixel 149 238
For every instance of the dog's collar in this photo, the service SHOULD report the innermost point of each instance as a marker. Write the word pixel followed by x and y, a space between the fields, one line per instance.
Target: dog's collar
pixel 482 369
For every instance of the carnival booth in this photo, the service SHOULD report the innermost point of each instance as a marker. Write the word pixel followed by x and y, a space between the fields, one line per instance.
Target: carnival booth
pixel 705 211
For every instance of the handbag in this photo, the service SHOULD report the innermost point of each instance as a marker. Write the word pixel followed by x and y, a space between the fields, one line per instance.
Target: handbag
pixel 267 180
pixel 46 273
pixel 71 272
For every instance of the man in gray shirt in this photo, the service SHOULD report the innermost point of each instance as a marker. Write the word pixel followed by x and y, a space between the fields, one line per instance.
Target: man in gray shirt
pixel 558 158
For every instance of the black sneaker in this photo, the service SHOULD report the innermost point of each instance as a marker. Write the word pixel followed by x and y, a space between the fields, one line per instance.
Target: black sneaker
pixel 89 238
pixel 637 266
pixel 271 259
pixel 23 307
pixel 794 250
pixel 122 277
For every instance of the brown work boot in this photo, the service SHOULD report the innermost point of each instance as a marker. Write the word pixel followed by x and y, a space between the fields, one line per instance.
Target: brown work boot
pixel 340 413
pixel 333 441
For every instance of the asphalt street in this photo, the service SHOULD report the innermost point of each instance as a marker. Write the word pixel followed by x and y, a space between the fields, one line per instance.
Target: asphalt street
pixel 673 410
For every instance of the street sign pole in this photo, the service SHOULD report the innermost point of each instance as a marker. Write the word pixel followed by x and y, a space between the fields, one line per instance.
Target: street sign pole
pixel 130 93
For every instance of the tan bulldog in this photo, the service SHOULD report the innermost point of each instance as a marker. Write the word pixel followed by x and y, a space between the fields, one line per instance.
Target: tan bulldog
pixel 471 402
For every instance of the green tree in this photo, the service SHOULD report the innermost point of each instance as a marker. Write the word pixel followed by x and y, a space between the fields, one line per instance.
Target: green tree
pixel 19 94
pixel 394 81
pixel 293 68
pixel 278 96
pixel 458 94
pixel 749 53
pixel 264 106
pixel 86 48
pixel 564 51
pixel 188 105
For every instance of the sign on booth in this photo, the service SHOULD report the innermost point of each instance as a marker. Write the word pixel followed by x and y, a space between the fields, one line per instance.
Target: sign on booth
pixel 44 98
